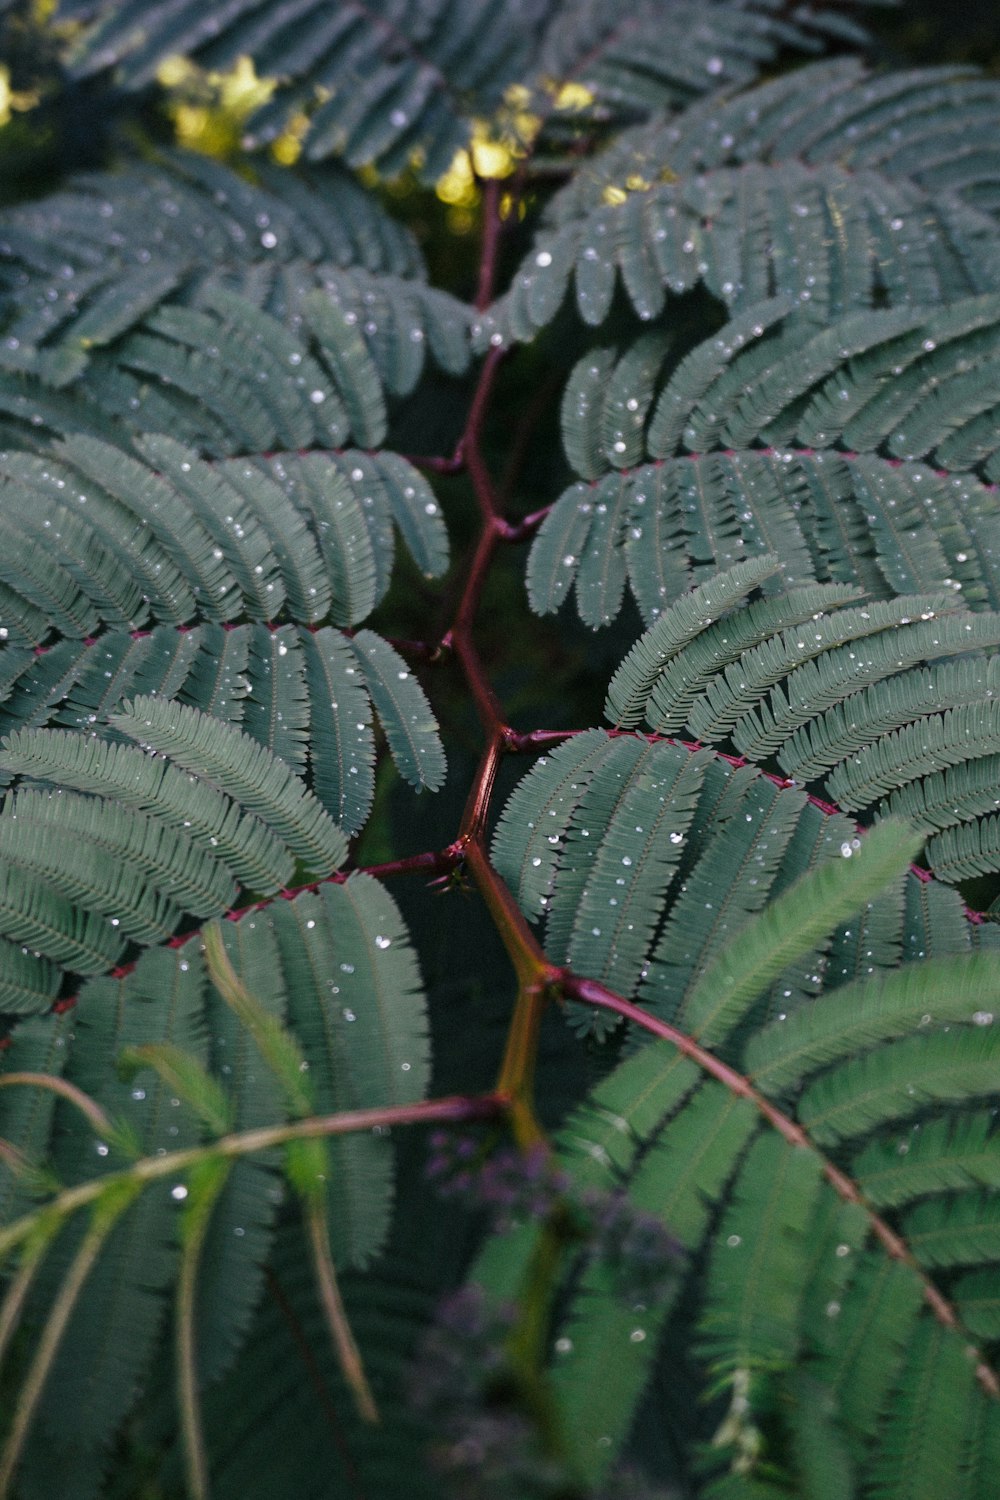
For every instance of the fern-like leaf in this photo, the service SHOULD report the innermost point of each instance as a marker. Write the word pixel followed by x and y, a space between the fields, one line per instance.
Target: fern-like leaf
pixel 233 763
pixel 765 1232
pixel 900 124
pixel 880 1008
pixel 896 380
pixel 951 1065
pixel 792 925
pixel 112 1336
pixel 385 91
pixel 403 711
pixel 804 694
pixel 825 236
pixel 258 857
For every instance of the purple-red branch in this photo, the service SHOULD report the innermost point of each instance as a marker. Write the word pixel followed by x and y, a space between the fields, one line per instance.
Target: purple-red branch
pixel 492 227
pixel 435 464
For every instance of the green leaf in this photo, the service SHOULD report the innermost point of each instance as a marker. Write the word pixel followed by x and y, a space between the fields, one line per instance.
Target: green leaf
pixel 954 1152
pixel 403 711
pixel 756 1272
pixel 923 1446
pixel 342 746
pixel 856 1017
pixel 354 371
pixel 186 1075
pixel 954 1231
pixel 356 1008
pixel 633 866
pixel 224 757
pixel 204 1187
pixel 240 1234
pixel 791 926
pixel 256 855
pixel 894 1083
pixel 600 1377
pixel 111 1338
pixel 276 1046
pixel 631 685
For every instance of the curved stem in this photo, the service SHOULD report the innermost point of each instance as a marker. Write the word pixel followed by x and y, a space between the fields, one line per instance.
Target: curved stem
pixel 88 1107
pixel 341 1333
pixel 108 1208
pixel 590 992
pixel 198 1215
pixel 456 1109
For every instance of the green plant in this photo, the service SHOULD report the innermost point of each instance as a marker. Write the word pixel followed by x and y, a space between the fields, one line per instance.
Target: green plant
pixel 709 1206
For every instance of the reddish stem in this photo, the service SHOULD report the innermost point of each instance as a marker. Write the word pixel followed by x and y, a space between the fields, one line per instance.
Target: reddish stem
pixel 492 227
pixel 524 530
pixel 431 862
pixel 317 1380
pixel 435 464
pixel 459 638
pixel 535 741
pixel 482 481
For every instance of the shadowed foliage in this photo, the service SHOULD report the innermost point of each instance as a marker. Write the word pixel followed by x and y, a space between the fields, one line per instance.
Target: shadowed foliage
pixel 413 1082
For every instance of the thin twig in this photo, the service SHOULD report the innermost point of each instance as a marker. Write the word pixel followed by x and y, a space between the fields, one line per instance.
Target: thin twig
pixel 492 228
